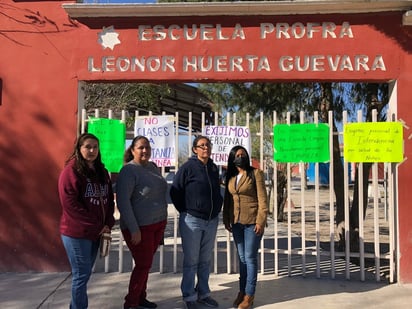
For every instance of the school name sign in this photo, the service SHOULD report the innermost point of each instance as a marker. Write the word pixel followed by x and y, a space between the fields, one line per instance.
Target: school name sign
pixel 241 48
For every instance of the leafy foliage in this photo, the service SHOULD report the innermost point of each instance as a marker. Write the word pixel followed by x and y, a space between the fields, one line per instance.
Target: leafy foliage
pixel 294 98
pixel 125 96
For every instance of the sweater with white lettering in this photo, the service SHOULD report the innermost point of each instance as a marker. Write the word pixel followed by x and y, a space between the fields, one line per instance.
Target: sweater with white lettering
pixel 141 196
pixel 80 199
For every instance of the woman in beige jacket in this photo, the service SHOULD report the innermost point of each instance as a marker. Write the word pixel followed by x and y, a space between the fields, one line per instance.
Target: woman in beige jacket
pixel 244 214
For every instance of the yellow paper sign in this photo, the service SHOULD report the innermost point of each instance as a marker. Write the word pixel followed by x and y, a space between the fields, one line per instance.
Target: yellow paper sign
pixel 373 142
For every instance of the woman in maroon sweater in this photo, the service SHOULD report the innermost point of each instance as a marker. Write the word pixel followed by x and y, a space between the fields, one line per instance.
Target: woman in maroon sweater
pixel 87 201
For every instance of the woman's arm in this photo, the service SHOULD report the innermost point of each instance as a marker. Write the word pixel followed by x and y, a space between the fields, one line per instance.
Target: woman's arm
pixel 125 186
pixel 262 198
pixel 177 190
pixel 227 209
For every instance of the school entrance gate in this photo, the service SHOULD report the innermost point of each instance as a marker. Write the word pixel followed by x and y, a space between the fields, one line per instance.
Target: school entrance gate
pixel 304 241
pixel 48 48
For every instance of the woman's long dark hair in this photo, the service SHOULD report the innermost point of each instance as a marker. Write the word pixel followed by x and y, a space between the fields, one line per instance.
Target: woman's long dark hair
pixel 80 163
pixel 231 168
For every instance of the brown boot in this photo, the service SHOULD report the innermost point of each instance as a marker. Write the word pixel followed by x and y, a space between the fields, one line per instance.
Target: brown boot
pixel 238 299
pixel 247 302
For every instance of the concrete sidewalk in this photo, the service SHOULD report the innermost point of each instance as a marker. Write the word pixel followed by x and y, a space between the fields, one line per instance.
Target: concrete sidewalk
pixel 106 291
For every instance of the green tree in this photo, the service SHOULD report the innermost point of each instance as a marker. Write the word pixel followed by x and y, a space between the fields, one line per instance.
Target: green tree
pixel 308 97
pixel 125 96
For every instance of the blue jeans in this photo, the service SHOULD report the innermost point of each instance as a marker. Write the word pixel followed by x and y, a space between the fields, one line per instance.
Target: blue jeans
pixel 198 239
pixel 247 244
pixel 82 255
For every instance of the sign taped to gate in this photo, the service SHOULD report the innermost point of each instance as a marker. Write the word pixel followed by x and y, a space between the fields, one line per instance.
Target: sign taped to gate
pixel 373 142
pixel 296 143
pixel 224 138
pixel 160 131
pixel 112 136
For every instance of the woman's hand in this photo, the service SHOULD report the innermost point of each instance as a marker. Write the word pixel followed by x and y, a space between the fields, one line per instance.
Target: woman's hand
pixel 105 229
pixel 258 229
pixel 228 227
pixel 136 238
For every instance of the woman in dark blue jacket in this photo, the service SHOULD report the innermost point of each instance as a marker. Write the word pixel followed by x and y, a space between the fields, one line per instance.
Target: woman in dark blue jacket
pixel 196 195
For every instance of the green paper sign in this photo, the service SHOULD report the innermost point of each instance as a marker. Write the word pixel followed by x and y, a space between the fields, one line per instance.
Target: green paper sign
pixel 301 142
pixel 112 137
pixel 373 142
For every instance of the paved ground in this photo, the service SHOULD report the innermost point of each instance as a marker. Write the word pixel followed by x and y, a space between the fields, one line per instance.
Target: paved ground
pixel 106 291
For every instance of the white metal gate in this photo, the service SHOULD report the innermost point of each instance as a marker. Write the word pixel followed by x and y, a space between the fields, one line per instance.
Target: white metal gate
pixel 305 243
